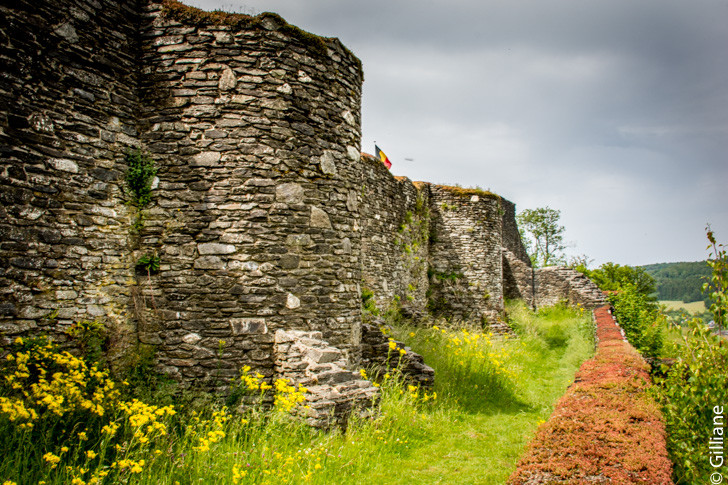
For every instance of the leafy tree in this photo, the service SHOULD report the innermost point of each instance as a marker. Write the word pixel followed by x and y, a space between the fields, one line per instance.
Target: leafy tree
pixel 543 235
pixel 613 277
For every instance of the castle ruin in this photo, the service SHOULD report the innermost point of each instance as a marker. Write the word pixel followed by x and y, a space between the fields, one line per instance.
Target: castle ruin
pixel 265 215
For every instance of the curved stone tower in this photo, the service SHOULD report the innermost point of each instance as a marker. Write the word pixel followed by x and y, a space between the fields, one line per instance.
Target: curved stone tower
pixel 255 126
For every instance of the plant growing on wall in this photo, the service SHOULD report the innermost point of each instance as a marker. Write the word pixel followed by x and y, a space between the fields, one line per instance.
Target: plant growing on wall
pixel 139 177
pixel 149 264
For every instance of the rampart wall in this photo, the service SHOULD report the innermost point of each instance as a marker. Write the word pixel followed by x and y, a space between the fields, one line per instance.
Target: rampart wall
pixel 69 107
pixel 395 227
pixel 466 267
pixel 256 131
pixel 264 214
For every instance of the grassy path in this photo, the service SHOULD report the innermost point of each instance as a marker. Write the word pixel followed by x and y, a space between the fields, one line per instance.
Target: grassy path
pixel 477 438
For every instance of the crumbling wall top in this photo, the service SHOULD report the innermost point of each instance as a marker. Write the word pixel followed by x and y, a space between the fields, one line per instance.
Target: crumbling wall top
pixel 185 14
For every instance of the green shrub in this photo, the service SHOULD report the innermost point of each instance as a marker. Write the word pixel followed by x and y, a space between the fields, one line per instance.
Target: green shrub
pixel 368 303
pixel 640 319
pixel 694 384
pixel 697 382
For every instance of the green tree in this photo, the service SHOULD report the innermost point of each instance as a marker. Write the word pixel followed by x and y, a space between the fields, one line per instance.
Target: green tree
pixel 613 277
pixel 543 235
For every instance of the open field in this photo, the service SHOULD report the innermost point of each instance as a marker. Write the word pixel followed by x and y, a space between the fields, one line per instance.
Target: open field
pixel 692 307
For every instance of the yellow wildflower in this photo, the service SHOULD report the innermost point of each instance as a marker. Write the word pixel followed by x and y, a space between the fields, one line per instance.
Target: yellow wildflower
pixel 52 459
pixel 238 474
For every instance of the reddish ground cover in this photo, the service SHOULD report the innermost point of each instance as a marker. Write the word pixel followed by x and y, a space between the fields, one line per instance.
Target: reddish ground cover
pixel 606 428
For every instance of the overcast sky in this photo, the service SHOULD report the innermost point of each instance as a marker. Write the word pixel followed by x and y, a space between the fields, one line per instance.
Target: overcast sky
pixel 614 112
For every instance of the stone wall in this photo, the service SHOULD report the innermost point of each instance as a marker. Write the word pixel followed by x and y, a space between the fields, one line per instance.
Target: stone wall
pixel 256 130
pixel 437 249
pixel 395 236
pixel 384 354
pixel 68 114
pixel 264 215
pixel 333 392
pixel 465 253
pixel 557 284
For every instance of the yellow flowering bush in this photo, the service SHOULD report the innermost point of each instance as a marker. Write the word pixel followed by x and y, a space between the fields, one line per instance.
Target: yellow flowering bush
pixel 467 357
pixel 77 410
pixel 288 396
pixel 212 430
pixel 40 380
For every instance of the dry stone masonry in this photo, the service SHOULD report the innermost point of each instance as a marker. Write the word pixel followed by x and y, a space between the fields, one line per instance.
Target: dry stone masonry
pixel 555 285
pixel 266 220
pixel 382 353
pixel 333 392
pixel 68 111
pixel 256 132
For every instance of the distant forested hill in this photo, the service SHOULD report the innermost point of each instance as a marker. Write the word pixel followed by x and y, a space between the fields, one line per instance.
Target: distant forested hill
pixel 679 281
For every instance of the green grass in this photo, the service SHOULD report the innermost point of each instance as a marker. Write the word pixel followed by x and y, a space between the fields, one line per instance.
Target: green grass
pixel 479 433
pixel 692 308
pixel 492 393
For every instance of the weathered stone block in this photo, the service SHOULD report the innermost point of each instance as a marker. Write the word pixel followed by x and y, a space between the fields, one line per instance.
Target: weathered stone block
pixel 228 80
pixel 319 218
pixel 241 326
pixel 206 159
pixel 209 262
pixel 63 164
pixel 290 193
pixel 327 163
pixel 292 302
pixel 215 248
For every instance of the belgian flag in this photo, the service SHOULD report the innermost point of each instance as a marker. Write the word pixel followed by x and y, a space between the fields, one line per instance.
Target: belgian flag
pixel 380 155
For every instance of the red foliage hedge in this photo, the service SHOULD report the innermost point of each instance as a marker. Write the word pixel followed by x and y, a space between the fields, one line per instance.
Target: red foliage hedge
pixel 606 428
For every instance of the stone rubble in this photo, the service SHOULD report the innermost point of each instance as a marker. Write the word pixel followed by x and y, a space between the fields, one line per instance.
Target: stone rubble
pixel 333 391
pixel 376 352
